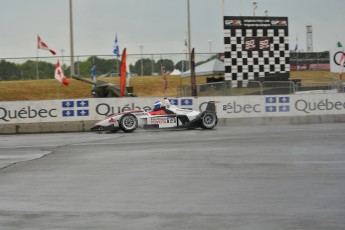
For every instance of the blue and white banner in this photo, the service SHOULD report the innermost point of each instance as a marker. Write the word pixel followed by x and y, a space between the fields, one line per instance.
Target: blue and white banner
pixel 94 109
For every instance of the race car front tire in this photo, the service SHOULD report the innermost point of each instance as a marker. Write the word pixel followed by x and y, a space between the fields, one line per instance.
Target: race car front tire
pixel 128 123
pixel 208 120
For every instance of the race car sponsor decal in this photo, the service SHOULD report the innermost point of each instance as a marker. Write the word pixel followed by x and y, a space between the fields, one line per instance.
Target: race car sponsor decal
pixel 162 120
pixel 171 120
pixel 112 121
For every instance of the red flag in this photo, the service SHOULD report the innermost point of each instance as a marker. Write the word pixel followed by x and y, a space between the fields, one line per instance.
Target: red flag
pixel 59 74
pixel 43 46
pixel 123 74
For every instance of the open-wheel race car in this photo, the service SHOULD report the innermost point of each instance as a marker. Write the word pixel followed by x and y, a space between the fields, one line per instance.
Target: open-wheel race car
pixel 164 115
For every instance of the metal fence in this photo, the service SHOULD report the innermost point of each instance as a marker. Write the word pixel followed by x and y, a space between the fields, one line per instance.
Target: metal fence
pixel 32 68
pixel 263 88
pixel 209 89
pixel 309 85
pixel 309 61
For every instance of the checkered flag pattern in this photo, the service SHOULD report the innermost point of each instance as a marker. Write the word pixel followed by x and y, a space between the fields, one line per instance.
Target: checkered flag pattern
pixel 270 56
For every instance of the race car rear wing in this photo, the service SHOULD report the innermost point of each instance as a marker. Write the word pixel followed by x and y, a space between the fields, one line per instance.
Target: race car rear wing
pixel 211 106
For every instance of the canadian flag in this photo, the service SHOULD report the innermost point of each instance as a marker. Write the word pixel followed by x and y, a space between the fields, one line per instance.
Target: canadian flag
pixel 59 74
pixel 43 46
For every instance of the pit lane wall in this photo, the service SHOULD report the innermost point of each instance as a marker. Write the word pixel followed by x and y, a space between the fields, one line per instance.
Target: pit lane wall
pixel 70 115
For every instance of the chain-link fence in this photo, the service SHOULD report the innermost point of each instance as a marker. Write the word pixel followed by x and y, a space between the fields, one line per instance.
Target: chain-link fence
pixel 312 85
pixel 309 61
pixel 209 89
pixel 263 88
pixel 271 87
pixel 32 68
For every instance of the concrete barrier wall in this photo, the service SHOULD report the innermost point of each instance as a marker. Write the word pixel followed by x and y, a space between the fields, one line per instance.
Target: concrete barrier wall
pixel 70 115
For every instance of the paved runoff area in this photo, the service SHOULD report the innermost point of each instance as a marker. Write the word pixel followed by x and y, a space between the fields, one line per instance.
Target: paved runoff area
pixel 249 177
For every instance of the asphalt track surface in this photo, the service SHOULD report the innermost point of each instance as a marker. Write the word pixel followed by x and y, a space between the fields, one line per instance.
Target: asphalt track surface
pixel 257 177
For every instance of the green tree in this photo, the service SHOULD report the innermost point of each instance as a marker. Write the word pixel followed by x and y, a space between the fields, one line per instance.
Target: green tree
pixel 147 67
pixel 83 68
pixel 169 65
pixel 28 70
pixel 8 71
pixel 104 66
pixel 46 70
pixel 182 65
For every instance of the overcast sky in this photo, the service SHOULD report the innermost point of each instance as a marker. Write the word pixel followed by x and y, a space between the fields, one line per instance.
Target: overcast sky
pixel 159 25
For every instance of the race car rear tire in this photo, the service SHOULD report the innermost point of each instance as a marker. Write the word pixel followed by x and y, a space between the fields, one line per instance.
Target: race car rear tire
pixel 208 120
pixel 128 123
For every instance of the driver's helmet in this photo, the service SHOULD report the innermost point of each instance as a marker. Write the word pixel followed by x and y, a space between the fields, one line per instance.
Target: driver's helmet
pixel 157 106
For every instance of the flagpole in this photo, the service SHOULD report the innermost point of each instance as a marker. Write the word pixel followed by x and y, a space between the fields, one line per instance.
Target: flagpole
pixel 37 65
pixel 162 75
pixel 189 33
pixel 37 60
pixel 192 75
pixel 341 66
pixel 56 86
pixel 341 61
pixel 117 66
pixel 341 71
pixel 57 90
pixel 117 57
pixel 93 77
pixel 71 37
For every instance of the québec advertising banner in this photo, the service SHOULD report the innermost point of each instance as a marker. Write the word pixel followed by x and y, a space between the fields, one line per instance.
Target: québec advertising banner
pixel 335 59
pixel 227 107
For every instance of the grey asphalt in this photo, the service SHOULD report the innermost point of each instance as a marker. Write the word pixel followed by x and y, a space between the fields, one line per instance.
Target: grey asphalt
pixel 249 177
